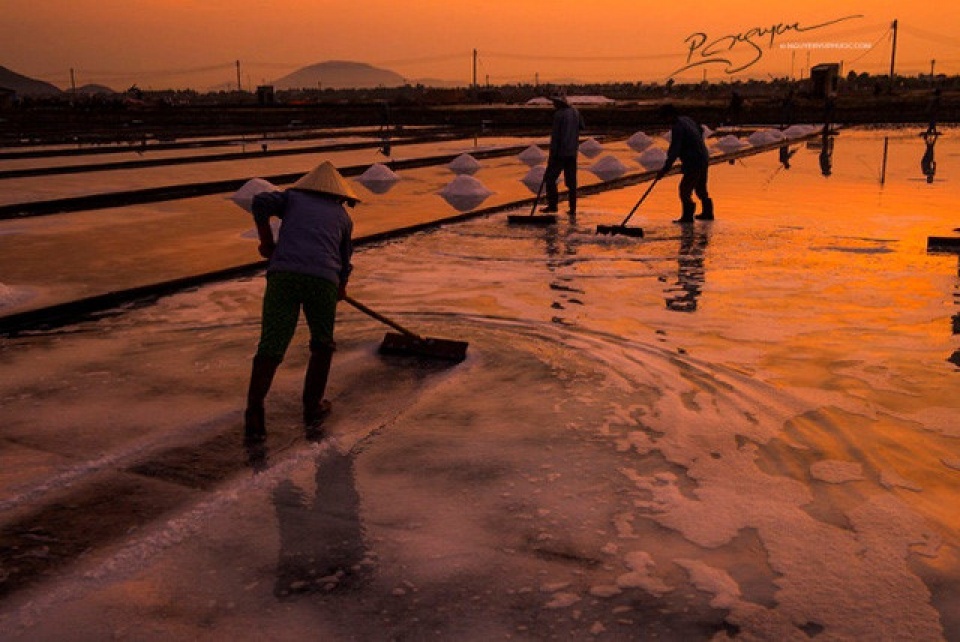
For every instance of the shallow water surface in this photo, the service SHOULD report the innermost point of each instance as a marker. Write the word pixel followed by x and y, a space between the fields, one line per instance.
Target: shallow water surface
pixel 743 428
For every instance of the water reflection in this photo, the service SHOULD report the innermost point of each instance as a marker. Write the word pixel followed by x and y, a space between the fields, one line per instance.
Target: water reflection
pixel 561 252
pixel 785 155
pixel 826 152
pixel 322 545
pixel 683 295
pixel 928 164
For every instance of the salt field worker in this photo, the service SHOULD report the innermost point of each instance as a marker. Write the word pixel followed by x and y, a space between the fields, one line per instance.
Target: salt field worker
pixel 564 145
pixel 686 143
pixel 309 267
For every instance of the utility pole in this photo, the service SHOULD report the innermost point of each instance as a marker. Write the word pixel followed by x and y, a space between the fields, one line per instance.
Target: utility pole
pixel 893 54
pixel 239 86
pixel 536 79
pixel 933 78
pixel 73 82
pixel 474 68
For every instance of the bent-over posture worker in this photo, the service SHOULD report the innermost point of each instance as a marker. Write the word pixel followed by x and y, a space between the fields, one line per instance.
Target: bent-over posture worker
pixel 309 267
pixel 686 143
pixel 564 145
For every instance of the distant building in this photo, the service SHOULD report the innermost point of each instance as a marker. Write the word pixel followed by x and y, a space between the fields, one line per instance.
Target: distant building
pixel 824 78
pixel 7 97
pixel 265 95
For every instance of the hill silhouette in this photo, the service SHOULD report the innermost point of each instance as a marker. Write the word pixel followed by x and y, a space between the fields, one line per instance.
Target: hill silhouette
pixel 25 86
pixel 340 74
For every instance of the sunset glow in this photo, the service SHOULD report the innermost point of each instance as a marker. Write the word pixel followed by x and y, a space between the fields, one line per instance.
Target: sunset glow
pixel 181 44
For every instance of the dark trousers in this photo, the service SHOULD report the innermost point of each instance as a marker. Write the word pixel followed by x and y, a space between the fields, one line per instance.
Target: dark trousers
pixel 567 165
pixel 694 180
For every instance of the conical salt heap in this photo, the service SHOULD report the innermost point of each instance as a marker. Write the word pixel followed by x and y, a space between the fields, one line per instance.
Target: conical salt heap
pixel 244 196
pixel 378 178
pixel 639 142
pixel 464 164
pixel 532 155
pixel 652 158
pixel 591 148
pixel 465 192
pixel 534 177
pixel 608 168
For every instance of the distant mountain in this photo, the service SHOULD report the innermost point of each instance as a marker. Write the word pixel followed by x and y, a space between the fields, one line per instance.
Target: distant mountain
pixel 25 86
pixel 94 90
pixel 340 74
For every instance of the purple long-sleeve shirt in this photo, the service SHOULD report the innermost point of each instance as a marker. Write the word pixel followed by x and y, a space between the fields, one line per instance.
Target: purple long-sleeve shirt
pixel 316 235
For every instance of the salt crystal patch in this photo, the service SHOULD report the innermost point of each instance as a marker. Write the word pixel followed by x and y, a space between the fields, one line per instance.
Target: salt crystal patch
pixel 464 164
pixel 724 588
pixel 532 155
pixel 605 590
pixel 951 463
pixel 11 296
pixel 652 158
pixel 639 142
pixel 836 472
pixel 890 479
pixel 591 148
pixel 608 168
pixel 562 601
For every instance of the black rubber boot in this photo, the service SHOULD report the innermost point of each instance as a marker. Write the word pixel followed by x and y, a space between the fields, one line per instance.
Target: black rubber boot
pixel 707 213
pixel 261 378
pixel 688 210
pixel 315 407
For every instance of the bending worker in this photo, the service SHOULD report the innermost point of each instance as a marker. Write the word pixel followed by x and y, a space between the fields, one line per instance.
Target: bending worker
pixel 686 143
pixel 309 267
pixel 564 145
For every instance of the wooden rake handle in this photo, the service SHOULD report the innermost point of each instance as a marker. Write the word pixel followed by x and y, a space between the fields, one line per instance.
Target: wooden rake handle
pixel 379 317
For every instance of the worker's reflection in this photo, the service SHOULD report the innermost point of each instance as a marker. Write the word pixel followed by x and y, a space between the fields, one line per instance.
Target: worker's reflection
pixel 684 294
pixel 322 548
pixel 928 164
pixel 826 152
pixel 785 155
pixel 562 252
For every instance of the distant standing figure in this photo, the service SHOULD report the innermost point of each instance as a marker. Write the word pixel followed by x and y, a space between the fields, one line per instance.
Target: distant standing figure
pixel 309 267
pixel 564 145
pixel 686 143
pixel 734 109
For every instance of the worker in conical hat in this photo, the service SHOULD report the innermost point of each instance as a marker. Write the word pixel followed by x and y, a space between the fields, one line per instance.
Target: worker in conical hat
pixel 309 265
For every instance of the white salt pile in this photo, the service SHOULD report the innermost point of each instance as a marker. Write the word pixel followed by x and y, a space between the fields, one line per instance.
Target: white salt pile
pixel 707 132
pixel 731 143
pixel 244 196
pixel 639 142
pixel 378 178
pixel 591 148
pixel 608 168
pixel 532 155
pixel 795 131
pixel 652 158
pixel 465 192
pixel 464 164
pixel 765 137
pixel 533 178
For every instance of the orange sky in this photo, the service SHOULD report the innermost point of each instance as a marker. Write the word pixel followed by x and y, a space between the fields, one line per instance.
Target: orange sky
pixel 184 43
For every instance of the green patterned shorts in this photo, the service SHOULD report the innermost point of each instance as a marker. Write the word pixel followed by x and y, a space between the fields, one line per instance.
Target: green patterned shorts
pixel 286 293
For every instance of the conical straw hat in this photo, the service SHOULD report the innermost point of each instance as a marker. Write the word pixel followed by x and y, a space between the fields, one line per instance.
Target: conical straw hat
pixel 326 179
